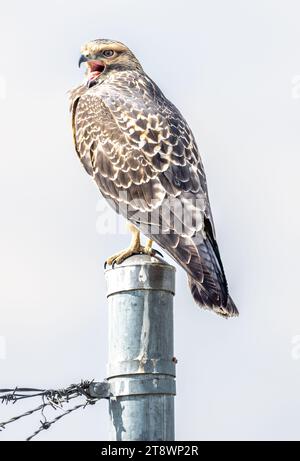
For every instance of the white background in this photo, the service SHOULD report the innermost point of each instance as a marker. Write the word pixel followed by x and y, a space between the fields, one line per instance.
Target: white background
pixel 233 70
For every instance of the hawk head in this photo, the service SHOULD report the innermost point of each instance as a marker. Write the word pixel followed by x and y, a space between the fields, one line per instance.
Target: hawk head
pixel 104 56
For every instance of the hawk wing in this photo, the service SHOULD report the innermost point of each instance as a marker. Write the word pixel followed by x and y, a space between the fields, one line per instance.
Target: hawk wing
pixel 143 157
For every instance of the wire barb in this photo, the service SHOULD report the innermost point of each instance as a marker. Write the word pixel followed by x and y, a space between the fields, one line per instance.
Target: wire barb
pixel 54 398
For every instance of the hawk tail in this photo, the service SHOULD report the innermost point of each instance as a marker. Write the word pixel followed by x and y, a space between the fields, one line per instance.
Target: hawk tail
pixel 200 297
pixel 212 292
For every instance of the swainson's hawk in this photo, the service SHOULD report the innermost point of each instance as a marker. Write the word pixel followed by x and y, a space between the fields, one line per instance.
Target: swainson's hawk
pixel 144 158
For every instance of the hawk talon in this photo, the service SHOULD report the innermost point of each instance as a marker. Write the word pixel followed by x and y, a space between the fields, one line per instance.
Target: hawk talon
pixel 123 255
pixel 126 257
pixel 156 252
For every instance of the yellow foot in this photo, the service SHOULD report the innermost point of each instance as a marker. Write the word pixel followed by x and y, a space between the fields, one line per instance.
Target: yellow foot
pixel 118 258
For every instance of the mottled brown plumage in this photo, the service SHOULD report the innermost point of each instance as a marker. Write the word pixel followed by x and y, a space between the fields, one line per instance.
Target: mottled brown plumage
pixel 145 161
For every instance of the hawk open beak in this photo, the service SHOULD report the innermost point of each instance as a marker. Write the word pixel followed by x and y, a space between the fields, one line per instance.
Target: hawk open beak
pixel 94 68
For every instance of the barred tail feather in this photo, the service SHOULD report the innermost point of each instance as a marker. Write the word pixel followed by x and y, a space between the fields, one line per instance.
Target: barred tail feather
pixel 201 298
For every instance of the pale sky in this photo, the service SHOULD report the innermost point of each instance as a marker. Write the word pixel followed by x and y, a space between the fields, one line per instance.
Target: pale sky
pixel 233 69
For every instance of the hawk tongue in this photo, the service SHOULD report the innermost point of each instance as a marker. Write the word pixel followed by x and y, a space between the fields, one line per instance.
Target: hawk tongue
pixel 95 68
pixel 94 74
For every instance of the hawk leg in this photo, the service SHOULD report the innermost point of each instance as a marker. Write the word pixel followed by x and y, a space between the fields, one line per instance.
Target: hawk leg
pixel 134 248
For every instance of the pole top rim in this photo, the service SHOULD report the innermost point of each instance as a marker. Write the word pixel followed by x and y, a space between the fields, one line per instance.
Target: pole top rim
pixel 140 272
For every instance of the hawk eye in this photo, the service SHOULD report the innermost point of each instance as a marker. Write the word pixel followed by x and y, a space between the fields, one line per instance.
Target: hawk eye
pixel 108 53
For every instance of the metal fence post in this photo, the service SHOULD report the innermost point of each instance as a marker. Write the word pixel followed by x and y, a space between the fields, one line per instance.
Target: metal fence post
pixel 141 365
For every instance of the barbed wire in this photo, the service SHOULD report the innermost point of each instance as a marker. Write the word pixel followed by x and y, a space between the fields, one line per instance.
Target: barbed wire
pixel 54 398
pixel 47 424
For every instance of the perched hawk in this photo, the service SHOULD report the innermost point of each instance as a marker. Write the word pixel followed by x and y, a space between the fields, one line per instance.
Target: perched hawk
pixel 144 158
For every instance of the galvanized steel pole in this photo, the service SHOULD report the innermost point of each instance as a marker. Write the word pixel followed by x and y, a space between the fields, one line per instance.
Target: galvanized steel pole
pixel 141 366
